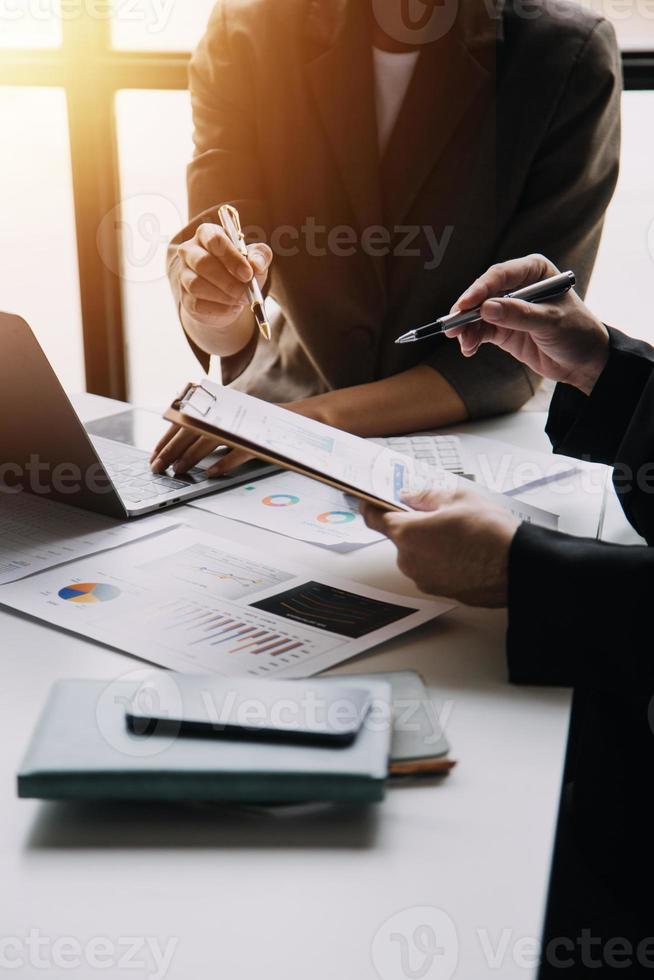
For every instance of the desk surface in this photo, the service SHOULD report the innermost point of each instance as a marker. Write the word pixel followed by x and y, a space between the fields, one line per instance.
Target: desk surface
pixel 289 894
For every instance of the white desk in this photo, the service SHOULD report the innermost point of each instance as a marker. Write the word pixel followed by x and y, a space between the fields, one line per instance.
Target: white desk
pixel 251 895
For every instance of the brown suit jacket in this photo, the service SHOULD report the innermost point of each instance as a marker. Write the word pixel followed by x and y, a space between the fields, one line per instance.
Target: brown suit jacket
pixel 507 143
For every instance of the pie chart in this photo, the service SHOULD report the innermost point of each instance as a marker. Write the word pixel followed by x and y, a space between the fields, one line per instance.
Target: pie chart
pixel 89 592
pixel 281 500
pixel 336 517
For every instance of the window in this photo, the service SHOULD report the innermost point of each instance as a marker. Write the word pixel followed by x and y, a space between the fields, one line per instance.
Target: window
pixel 96 137
pixel 38 253
pixel 154 139
pixel 619 291
pixel 26 24
pixel 170 25
pixel 633 21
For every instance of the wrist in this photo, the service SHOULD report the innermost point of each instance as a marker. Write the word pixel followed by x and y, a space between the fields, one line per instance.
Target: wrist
pixel 321 408
pixel 589 374
pixel 224 340
pixel 507 530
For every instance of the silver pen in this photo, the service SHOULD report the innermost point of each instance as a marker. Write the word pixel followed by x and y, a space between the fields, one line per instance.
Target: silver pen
pixel 538 292
pixel 231 222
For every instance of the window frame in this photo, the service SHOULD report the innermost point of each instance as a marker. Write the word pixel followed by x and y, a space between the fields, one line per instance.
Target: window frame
pixel 86 53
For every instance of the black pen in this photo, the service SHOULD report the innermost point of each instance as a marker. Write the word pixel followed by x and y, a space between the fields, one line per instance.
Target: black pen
pixel 537 293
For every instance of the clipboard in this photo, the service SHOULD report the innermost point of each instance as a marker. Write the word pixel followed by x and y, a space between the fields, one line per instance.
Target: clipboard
pixel 177 415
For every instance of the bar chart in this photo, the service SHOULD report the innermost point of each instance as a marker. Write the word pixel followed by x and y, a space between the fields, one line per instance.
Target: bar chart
pixel 241 638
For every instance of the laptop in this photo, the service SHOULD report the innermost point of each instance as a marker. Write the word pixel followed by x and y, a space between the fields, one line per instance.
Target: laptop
pixel 103 466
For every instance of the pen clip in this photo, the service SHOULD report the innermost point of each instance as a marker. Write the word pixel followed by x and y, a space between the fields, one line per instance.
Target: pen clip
pixel 231 222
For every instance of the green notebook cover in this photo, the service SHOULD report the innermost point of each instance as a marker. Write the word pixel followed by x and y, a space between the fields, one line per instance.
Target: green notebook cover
pixel 81 749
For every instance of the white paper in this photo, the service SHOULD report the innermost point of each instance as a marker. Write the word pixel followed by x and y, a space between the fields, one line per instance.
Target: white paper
pixel 573 489
pixel 298 508
pixel 372 469
pixel 359 463
pixel 36 533
pixel 197 603
pixel 438 450
pixel 506 468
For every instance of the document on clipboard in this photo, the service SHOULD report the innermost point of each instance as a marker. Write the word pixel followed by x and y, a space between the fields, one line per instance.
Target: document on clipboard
pixel 353 465
pixel 313 449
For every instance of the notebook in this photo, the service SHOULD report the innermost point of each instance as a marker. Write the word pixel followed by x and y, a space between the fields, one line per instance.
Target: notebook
pixel 82 749
pixel 419 746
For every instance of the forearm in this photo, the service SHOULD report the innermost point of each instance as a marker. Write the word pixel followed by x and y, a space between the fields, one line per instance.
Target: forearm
pixel 578 610
pixel 417 399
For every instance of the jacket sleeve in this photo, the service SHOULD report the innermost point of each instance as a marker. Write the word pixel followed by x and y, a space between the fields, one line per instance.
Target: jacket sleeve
pixel 560 213
pixel 615 425
pixel 225 165
pixel 572 180
pixel 579 612
pixel 594 426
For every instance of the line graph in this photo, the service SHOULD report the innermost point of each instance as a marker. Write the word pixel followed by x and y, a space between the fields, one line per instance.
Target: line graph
pixel 218 572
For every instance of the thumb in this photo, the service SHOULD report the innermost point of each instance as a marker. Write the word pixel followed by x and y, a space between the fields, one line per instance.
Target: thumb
pixel 425 499
pixel 230 462
pixel 516 314
pixel 260 256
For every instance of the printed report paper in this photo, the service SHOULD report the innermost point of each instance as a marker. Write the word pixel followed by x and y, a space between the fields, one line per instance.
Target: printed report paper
pixel 195 602
pixel 36 533
pixel 296 507
pixel 329 453
pixel 368 469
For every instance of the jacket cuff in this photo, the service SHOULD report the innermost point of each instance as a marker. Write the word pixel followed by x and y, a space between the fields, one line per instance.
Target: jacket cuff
pixel 593 426
pixel 232 367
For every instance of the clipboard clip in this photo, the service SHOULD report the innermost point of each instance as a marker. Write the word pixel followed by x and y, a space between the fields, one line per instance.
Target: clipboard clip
pixel 199 398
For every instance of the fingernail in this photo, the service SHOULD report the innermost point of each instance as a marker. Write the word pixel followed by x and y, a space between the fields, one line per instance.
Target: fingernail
pixel 244 273
pixel 492 310
pixel 258 261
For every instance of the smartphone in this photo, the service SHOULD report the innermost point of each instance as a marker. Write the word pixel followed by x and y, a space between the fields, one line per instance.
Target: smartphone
pixel 307 712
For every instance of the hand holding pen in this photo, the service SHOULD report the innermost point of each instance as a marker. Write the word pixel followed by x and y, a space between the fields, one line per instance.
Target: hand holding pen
pixel 557 337
pixel 216 273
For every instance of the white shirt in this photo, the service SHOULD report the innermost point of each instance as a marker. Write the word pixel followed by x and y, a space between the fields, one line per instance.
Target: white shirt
pixel 393 74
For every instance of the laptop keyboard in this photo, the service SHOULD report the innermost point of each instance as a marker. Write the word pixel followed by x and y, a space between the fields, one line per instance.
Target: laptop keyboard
pixel 130 473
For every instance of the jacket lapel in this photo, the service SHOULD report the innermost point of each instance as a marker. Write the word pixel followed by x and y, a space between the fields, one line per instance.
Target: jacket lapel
pixel 446 82
pixel 342 82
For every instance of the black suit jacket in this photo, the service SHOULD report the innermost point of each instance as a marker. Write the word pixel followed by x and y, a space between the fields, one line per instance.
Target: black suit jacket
pixel 507 143
pixel 578 608
pixel 580 613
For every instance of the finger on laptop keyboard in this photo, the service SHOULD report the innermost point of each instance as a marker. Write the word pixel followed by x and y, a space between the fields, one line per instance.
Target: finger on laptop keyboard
pixel 230 462
pixel 195 453
pixel 165 439
pixel 178 446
